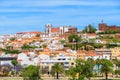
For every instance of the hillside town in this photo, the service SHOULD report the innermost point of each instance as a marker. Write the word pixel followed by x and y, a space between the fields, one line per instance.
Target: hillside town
pixel 63 44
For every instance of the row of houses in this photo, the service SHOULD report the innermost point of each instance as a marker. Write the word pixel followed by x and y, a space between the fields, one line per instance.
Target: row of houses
pixel 47 58
pixel 50 50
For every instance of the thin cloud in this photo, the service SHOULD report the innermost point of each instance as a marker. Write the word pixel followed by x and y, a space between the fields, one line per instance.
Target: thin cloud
pixel 37 3
pixel 25 15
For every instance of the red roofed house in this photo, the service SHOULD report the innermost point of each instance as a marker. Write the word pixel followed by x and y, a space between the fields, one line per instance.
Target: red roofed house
pixel 89 36
pixel 98 53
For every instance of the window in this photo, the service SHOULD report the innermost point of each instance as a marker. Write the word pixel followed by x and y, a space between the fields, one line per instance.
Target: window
pixel 63 58
pixel 105 56
pixel 66 62
pixel 72 63
pixel 59 59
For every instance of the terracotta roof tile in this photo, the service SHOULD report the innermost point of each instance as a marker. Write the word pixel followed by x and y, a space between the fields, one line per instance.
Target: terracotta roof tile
pixel 90 53
pixel 35 32
pixel 91 34
pixel 55 30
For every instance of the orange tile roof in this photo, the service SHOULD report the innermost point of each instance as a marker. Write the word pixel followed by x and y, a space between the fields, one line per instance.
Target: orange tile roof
pixel 118 56
pixel 19 60
pixel 46 49
pixel 46 53
pixel 58 38
pixel 80 52
pixel 68 54
pixel 90 53
pixel 55 30
pixel 14 55
pixel 35 32
pixel 91 34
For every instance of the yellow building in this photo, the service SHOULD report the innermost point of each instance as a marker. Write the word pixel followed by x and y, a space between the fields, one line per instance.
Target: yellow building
pixel 115 52
pixel 80 54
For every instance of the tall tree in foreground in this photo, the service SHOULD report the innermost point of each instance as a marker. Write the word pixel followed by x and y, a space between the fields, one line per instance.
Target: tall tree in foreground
pixel 88 68
pixel 82 69
pixel 57 69
pixel 14 63
pixel 106 67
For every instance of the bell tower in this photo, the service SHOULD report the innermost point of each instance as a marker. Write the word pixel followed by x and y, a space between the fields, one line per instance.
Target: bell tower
pixel 48 29
pixel 102 26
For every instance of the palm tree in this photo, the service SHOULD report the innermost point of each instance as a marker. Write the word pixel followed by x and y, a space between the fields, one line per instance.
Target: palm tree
pixel 57 68
pixel 106 67
pixel 14 63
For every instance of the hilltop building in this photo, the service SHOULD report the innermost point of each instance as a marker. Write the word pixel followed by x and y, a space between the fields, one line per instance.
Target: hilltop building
pixel 51 31
pixel 103 27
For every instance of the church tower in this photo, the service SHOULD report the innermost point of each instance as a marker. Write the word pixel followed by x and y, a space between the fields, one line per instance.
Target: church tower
pixel 48 28
pixel 102 26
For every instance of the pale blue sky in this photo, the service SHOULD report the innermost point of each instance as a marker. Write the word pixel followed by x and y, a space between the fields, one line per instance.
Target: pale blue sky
pixel 32 15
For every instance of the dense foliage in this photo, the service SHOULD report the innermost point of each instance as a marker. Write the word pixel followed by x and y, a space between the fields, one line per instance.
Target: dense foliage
pixel 7 51
pixel 57 69
pixel 31 73
pixel 74 38
pixel 109 32
pixel 84 69
pixel 89 29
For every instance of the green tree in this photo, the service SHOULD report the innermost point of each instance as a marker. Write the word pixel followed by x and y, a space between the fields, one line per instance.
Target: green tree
pixel 85 29
pixel 106 67
pixel 116 62
pixel 57 68
pixel 83 69
pixel 79 67
pixel 63 42
pixel 89 29
pixel 88 68
pixel 9 47
pixel 14 63
pixel 14 51
pixel 74 38
pixel 12 39
pixel 7 51
pixel 37 35
pixel 70 38
pixel 72 72
pixel 24 47
pixel 117 72
pixel 27 47
pixel 98 45
pixel 31 73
